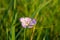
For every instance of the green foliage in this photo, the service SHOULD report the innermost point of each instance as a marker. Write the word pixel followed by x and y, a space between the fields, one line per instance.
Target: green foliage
pixel 46 13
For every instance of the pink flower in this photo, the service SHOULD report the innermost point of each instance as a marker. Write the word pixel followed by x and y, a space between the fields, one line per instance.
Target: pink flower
pixel 27 22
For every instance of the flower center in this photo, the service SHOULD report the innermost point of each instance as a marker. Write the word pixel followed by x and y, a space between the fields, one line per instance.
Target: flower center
pixel 27 23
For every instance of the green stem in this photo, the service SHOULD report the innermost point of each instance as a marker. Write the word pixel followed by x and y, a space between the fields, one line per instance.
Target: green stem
pixel 13 21
pixel 39 8
pixel 38 36
pixel 7 33
pixel 24 33
pixel 14 4
pixel 13 33
pixel 19 33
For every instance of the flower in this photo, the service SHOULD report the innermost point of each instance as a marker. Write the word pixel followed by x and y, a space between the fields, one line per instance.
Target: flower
pixel 27 22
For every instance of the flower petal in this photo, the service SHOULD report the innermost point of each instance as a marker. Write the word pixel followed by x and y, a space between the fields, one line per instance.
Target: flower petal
pixel 27 22
pixel 27 19
pixel 33 22
pixel 23 25
pixel 22 19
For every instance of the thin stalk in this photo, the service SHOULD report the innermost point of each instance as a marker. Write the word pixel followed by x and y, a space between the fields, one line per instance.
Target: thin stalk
pixel 13 33
pixel 13 28
pixel 39 8
pixel 46 35
pixel 39 33
pixel 26 9
pixel 32 33
pixel 13 21
pixel 24 33
pixel 7 33
pixel 19 33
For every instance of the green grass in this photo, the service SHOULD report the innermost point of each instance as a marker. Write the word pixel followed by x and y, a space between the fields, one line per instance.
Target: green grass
pixel 46 13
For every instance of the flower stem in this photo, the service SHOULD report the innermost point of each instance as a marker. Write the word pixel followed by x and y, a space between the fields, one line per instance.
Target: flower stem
pixel 32 33
pixel 24 33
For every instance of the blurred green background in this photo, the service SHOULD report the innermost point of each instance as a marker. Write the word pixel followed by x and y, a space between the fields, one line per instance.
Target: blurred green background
pixel 46 13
